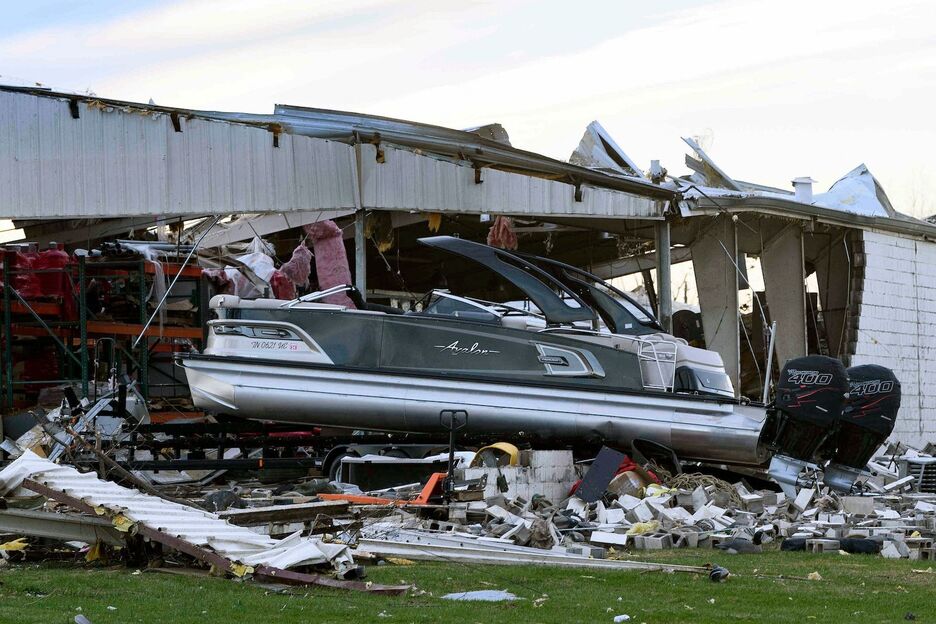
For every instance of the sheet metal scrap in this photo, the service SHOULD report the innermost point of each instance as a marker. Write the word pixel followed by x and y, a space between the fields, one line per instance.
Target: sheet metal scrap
pixel 199 534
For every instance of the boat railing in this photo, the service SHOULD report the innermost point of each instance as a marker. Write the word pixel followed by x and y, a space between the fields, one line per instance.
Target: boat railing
pixel 319 294
pixel 661 354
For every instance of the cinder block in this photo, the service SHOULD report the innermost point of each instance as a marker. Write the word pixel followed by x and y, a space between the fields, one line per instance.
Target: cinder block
pixel 614 539
pixel 641 513
pixel 700 498
pixel 928 554
pixel 686 539
pixel 822 545
pixel 890 551
pixel 584 550
pixel 803 498
pixel 656 541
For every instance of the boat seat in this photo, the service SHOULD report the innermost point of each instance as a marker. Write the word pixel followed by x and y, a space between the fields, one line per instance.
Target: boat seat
pixel 516 322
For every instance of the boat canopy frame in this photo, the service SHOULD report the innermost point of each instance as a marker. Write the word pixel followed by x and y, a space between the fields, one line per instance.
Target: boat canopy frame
pixel 538 285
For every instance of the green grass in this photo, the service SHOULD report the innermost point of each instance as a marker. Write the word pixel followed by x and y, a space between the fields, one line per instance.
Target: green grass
pixel 856 588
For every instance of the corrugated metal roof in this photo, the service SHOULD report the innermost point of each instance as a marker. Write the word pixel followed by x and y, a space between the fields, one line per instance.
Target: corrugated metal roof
pixel 116 160
pixel 406 181
pixel 202 528
pixel 127 159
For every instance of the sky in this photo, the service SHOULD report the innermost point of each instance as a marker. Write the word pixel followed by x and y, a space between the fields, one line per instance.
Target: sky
pixel 774 90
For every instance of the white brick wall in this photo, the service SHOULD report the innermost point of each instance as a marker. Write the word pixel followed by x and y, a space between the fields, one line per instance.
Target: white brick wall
pixel 897 326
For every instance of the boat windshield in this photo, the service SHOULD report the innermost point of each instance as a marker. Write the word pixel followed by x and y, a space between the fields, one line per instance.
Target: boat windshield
pixel 443 303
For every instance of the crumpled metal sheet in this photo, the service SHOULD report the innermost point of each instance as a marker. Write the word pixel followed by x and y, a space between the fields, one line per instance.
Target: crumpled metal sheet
pixel 201 528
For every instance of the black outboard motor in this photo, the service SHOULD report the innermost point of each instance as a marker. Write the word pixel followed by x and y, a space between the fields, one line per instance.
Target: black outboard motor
pixel 869 416
pixel 811 395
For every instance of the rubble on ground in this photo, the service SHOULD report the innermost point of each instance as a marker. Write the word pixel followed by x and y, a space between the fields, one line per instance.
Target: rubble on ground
pixel 686 511
pixel 504 506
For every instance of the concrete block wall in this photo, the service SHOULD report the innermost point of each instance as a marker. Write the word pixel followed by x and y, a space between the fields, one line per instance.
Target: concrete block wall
pixel 896 326
pixel 549 474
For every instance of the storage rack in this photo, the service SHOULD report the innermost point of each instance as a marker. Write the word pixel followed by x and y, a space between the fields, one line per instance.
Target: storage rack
pixel 74 342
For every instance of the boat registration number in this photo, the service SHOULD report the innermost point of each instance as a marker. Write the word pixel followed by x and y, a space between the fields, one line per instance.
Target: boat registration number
pixel 274 345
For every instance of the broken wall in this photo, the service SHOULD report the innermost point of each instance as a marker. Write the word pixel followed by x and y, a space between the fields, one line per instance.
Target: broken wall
pixel 782 265
pixel 896 325
pixel 713 260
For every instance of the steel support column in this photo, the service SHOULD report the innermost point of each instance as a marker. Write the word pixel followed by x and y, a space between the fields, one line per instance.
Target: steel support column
pixel 83 325
pixel 7 335
pixel 360 254
pixel 664 276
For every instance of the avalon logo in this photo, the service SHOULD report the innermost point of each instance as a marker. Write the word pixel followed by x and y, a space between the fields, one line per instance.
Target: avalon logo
pixel 455 349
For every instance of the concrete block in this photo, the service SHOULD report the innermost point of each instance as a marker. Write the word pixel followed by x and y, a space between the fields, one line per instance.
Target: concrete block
pixel 858 532
pixel 458 512
pixel 585 550
pixel 716 539
pixel 700 498
pixel 753 502
pixel 614 539
pixel 890 551
pixel 601 514
pixel 803 498
pixel 520 534
pixel 641 513
pixel 824 546
pixel 708 512
pixel 832 519
pixel 863 505
pixel 656 541
pixel 887 513
pixel 744 518
pixel 684 499
pixel 578 507
pixel 686 539
pixel 919 543
pixel 659 502
pixel 676 515
pixel 628 502
pixel 506 516
pixel 557 459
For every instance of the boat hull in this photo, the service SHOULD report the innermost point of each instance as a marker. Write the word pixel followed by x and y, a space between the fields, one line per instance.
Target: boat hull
pixel 327 395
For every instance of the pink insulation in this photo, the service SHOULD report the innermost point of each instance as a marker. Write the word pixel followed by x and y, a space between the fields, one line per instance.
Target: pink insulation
pixel 331 260
pixel 501 234
pixel 230 281
pixel 298 267
pixel 283 287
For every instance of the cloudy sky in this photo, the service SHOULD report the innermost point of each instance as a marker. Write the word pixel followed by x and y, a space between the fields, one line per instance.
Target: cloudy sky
pixel 774 89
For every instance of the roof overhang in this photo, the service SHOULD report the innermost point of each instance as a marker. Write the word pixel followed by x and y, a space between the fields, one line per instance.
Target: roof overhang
pixel 78 156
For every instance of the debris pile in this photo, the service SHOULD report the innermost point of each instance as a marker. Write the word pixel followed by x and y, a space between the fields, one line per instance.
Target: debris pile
pixel 499 505
pixel 633 512
pixel 203 535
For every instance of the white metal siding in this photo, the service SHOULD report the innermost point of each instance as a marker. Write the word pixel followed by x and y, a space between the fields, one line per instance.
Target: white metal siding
pixel 114 162
pixel 202 528
pixel 410 181
pixel 897 326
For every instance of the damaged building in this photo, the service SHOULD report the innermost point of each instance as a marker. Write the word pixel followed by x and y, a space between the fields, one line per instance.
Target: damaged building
pixel 108 169
pixel 205 301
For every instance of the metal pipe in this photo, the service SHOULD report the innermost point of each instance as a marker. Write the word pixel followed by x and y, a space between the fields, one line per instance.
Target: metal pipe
pixel 767 373
pixel 174 280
